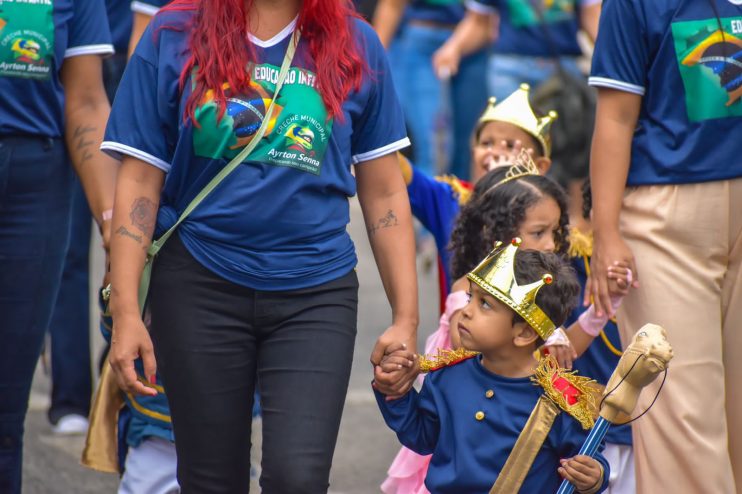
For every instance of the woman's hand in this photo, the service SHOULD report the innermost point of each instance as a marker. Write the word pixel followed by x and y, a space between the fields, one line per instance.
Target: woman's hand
pixel 131 340
pixel 400 340
pixel 609 248
pixel 446 61
pixel 584 472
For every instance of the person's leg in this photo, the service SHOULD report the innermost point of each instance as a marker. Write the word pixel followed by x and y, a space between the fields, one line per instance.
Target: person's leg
pixel 150 468
pixel 676 235
pixel 70 324
pixel 506 73
pixel 421 94
pixel 35 181
pixel 304 363
pixel 732 328
pixel 205 350
pixel 468 101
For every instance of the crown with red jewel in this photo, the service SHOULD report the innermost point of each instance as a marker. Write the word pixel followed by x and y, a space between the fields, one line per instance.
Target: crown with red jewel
pixel 496 275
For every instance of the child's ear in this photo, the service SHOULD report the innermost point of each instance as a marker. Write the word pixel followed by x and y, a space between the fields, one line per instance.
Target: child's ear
pixel 543 164
pixel 524 334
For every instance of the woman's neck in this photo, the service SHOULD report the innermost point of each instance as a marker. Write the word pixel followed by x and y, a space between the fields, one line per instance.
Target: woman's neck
pixel 267 18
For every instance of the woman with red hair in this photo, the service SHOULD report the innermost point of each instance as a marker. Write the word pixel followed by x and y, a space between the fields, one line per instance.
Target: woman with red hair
pixel 258 283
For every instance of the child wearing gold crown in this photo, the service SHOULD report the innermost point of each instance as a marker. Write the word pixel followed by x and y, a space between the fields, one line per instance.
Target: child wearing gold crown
pixel 477 408
pixel 503 130
pixel 508 202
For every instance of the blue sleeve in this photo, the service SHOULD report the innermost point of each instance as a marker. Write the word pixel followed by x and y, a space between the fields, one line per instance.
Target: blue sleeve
pixel 144 119
pixel 148 7
pixel 414 418
pixel 434 204
pixel 572 438
pixel 483 7
pixel 621 54
pixel 89 33
pixel 380 129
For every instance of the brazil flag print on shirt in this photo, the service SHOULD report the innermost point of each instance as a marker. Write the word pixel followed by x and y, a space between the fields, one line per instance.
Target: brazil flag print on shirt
pixel 26 38
pixel 296 136
pixel 709 54
pixel 523 12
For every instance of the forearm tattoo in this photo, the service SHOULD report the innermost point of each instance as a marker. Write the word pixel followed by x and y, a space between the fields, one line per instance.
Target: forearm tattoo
pixel 388 221
pixel 142 215
pixel 82 144
pixel 126 233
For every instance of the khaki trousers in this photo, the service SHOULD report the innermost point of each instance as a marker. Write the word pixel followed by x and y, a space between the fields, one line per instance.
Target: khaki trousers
pixel 687 241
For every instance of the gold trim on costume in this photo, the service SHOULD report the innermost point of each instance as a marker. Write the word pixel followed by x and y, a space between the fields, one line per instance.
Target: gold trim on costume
pixel 444 358
pixel 526 448
pixel 145 411
pixel 462 193
pixel 584 390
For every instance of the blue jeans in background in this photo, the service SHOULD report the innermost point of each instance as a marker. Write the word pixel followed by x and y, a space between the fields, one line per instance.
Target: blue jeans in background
pixel 505 73
pixel 35 191
pixel 424 100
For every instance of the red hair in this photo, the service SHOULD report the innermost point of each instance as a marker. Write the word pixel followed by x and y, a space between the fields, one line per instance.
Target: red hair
pixel 220 52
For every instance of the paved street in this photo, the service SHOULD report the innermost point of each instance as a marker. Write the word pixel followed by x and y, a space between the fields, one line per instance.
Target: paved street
pixel 365 447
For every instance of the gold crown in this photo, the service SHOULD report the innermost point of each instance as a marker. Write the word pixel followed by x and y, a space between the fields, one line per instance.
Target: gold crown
pixel 517 110
pixel 496 275
pixel 521 166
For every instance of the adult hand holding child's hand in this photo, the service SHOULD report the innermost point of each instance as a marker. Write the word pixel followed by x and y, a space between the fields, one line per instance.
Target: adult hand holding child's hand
pixel 395 361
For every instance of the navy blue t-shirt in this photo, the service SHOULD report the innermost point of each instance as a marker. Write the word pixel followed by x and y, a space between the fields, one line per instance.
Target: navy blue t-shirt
pixel 279 221
pixel 119 22
pixel 446 12
pixel 35 38
pixel 522 31
pixel 148 7
pixel 689 72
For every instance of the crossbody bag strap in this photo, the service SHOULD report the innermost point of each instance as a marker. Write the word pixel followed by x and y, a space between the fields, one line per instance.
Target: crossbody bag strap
pixel 156 245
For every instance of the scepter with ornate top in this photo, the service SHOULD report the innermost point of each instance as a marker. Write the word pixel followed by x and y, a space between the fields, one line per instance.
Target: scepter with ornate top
pixel 644 359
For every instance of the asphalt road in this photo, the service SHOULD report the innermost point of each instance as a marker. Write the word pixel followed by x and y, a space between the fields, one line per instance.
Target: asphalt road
pixel 365 446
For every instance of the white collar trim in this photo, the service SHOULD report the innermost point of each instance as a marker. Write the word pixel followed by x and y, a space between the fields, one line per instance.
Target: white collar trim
pixel 275 39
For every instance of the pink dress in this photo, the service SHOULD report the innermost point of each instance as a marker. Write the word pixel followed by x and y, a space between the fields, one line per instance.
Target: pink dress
pixel 406 475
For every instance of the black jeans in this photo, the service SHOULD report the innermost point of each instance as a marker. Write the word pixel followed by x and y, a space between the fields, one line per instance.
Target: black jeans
pixel 214 338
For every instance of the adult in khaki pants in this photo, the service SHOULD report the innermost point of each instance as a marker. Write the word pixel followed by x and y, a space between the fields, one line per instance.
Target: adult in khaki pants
pixel 665 170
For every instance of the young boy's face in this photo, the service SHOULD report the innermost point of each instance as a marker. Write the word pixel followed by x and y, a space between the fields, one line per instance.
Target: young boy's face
pixel 486 324
pixel 489 147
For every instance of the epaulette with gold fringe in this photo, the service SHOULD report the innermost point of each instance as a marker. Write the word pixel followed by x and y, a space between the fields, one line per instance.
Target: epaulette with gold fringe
pixel 580 243
pixel 576 395
pixel 461 190
pixel 444 358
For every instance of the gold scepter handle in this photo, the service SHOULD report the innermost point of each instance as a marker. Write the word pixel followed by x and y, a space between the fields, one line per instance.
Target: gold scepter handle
pixel 642 361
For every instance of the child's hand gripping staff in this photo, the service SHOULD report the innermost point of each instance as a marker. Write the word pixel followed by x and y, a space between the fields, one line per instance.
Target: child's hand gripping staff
pixel 645 358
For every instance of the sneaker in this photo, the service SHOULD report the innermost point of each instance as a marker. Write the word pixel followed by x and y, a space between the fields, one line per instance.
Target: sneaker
pixel 71 425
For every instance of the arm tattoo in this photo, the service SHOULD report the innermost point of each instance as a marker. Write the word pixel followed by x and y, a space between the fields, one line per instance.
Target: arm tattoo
pixel 126 233
pixel 142 215
pixel 388 221
pixel 81 144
